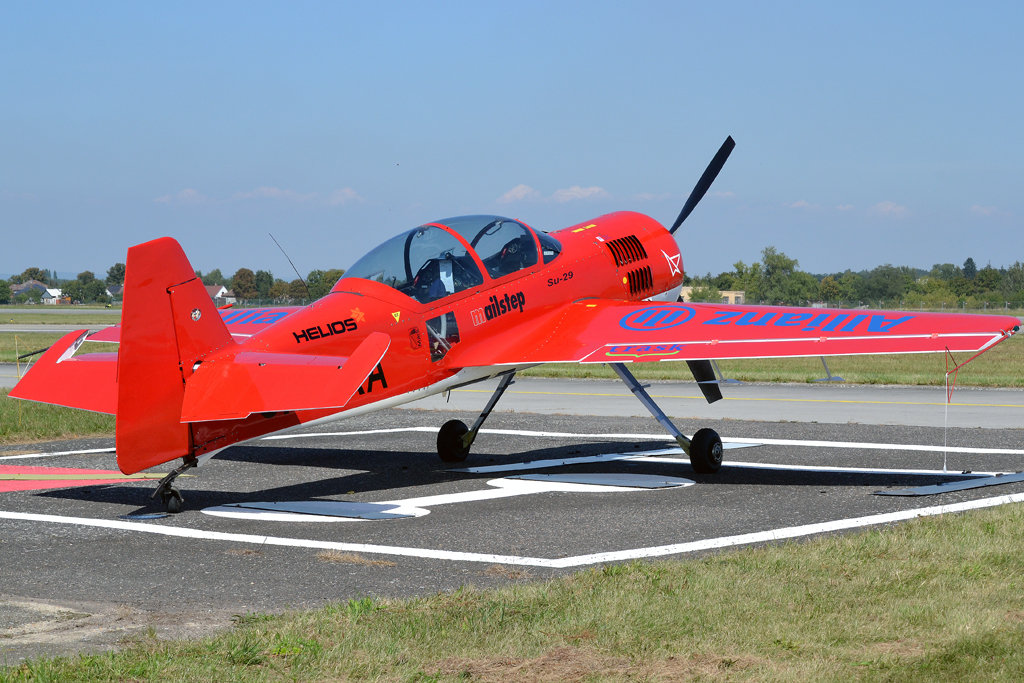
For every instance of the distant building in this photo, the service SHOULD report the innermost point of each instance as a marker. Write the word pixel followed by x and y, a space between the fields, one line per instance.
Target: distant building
pixel 728 296
pixel 24 287
pixel 53 297
pixel 221 295
pixel 216 291
pixel 114 291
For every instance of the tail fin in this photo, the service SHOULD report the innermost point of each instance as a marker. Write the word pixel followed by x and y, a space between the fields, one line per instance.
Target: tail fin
pixel 168 322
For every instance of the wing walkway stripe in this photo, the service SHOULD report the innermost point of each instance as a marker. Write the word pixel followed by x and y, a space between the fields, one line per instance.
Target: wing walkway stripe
pixel 561 563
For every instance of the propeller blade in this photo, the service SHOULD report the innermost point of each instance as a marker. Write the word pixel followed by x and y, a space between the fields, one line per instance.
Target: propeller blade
pixel 706 379
pixel 701 188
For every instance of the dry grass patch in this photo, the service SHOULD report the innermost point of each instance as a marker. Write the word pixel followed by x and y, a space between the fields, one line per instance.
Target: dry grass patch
pixel 247 552
pixel 335 557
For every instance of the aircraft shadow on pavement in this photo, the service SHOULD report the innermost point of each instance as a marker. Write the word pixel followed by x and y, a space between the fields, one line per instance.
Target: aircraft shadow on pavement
pixel 390 472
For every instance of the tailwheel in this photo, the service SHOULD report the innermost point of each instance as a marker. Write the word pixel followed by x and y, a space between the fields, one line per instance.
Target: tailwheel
pixel 172 500
pixel 450 444
pixel 706 451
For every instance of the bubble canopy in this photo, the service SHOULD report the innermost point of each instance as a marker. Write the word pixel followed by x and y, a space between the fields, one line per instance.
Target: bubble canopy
pixel 431 262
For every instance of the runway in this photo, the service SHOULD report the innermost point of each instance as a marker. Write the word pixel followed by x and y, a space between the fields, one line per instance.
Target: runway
pixel 72 540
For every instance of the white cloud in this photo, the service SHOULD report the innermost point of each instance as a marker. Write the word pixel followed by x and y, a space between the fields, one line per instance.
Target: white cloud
pixel 845 207
pixel 274 193
pixel 802 204
pixel 888 208
pixel 727 193
pixel 518 193
pixel 339 197
pixel 577 192
pixel 985 210
pixel 187 196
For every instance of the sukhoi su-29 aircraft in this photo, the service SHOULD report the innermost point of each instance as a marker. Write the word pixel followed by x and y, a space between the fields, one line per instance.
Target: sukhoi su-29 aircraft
pixel 446 304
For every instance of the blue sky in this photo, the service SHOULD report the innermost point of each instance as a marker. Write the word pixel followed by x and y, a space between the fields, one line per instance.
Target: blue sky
pixel 866 134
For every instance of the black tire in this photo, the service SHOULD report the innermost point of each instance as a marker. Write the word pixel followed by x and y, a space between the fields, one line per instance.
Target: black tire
pixel 706 451
pixel 173 500
pixel 449 441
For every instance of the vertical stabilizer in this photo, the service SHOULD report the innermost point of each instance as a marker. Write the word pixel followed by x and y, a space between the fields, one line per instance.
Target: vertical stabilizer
pixel 168 322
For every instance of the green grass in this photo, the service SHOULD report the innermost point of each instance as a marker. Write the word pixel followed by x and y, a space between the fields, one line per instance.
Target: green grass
pixel 83 317
pixel 936 599
pixel 26 342
pixel 26 421
pixel 1002 366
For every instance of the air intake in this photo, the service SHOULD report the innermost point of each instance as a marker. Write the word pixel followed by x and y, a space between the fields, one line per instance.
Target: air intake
pixel 626 250
pixel 640 281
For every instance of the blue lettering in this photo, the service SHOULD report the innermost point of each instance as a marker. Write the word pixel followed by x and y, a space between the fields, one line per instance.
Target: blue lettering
pixel 723 318
pixel 835 323
pixel 879 323
pixel 820 318
pixel 854 321
pixel 749 319
pixel 792 319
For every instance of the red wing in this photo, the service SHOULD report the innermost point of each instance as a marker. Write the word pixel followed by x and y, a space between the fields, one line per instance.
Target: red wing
pixel 601 331
pixel 242 323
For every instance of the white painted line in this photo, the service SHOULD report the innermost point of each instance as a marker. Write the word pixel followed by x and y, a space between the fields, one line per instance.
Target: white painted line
pixel 50 455
pixel 503 488
pixel 561 563
pixel 787 532
pixel 665 437
pixel 825 468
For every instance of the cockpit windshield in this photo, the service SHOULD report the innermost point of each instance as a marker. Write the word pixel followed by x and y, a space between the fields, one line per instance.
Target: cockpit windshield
pixel 504 245
pixel 429 263
pixel 426 264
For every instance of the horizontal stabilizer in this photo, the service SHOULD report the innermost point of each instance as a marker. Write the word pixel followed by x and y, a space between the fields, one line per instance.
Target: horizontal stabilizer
pixel 88 382
pixel 254 382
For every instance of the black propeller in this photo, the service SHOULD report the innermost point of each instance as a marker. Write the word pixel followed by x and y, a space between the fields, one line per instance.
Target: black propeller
pixel 701 188
pixel 701 369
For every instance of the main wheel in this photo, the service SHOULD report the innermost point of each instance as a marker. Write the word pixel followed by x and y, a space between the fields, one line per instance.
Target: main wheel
pixel 449 441
pixel 706 451
pixel 173 500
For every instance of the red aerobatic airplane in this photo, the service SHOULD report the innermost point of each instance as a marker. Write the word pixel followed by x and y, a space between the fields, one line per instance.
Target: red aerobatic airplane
pixel 441 306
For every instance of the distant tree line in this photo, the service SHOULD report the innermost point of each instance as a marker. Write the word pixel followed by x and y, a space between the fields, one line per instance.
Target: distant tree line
pixel 85 289
pixel 777 279
pixel 246 285
pixel 263 286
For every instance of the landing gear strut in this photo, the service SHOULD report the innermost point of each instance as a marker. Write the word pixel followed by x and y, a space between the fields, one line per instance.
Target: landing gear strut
pixel 705 449
pixel 455 438
pixel 170 496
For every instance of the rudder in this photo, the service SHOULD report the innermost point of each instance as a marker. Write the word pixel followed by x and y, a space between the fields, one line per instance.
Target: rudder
pixel 168 322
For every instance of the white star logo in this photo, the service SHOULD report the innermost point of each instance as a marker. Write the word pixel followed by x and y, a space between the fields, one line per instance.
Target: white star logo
pixel 673 262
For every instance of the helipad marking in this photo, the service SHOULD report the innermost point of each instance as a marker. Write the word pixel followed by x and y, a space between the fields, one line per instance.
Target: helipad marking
pixel 560 563
pixel 415 507
pixel 665 437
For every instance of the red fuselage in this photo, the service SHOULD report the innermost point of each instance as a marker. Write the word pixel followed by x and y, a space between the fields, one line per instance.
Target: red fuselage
pixel 621 256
